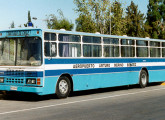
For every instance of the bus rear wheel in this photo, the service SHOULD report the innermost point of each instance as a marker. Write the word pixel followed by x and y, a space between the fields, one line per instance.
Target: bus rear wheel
pixel 143 80
pixel 63 87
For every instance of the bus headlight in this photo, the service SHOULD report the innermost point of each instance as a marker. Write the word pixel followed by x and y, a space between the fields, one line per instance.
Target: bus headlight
pixel 30 81
pixel 1 80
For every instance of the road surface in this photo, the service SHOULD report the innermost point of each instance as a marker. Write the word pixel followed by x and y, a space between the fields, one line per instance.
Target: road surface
pixel 119 103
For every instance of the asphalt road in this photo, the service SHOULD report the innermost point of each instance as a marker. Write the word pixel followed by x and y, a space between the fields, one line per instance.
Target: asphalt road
pixel 119 103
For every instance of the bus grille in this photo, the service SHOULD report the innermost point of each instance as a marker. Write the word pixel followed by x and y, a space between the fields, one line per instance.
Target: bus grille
pixel 14 81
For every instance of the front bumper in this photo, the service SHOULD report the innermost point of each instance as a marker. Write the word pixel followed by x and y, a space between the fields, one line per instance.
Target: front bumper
pixel 36 90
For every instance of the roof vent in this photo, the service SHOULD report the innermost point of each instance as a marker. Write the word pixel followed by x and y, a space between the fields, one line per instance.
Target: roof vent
pixel 147 37
pixel 97 33
pixel 62 29
pixel 125 35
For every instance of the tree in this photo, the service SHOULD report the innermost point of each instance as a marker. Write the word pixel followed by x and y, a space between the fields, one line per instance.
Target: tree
pixel 59 22
pixel 85 21
pixel 118 20
pixel 92 15
pixel 96 16
pixel 135 21
pixel 12 25
pixel 99 10
pixel 162 24
pixel 154 18
pixel 85 24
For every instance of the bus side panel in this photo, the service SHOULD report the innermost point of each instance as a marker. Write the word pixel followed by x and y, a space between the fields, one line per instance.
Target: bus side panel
pixel 85 82
pixel 50 85
pixel 156 76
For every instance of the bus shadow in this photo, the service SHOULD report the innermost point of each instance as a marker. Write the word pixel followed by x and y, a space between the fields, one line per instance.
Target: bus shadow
pixel 111 89
pixel 28 97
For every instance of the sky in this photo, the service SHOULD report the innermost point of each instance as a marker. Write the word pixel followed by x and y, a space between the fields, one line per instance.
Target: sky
pixel 17 10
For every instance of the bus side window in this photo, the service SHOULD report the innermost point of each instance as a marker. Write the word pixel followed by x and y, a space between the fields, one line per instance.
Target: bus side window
pixel 127 48
pixel 69 50
pixel 50 49
pixel 50 36
pixel 154 49
pixel 47 49
pixel 163 49
pixel 111 47
pixel 53 49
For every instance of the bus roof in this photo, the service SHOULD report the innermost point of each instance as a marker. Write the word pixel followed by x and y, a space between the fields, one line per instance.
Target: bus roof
pixel 101 35
pixel 83 34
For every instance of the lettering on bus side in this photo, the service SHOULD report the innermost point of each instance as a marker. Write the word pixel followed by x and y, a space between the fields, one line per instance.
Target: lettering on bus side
pixel 131 64
pixel 119 65
pixel 104 65
pixel 84 66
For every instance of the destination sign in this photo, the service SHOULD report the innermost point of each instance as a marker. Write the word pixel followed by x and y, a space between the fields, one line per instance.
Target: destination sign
pixel 18 33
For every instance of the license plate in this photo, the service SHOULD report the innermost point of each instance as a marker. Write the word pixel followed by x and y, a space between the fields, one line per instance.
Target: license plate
pixel 13 88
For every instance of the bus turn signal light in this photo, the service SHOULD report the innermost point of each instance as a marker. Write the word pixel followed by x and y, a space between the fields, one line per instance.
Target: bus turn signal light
pixel 38 81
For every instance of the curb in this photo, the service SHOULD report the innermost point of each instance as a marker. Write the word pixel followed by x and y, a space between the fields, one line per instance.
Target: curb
pixel 162 83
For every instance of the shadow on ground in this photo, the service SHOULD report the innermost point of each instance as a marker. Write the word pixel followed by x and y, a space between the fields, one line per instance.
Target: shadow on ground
pixel 15 96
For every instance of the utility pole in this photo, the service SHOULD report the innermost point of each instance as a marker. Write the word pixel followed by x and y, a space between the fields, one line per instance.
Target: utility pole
pixel 110 19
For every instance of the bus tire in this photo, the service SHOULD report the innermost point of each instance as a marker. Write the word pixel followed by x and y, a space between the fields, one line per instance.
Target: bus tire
pixel 143 79
pixel 63 87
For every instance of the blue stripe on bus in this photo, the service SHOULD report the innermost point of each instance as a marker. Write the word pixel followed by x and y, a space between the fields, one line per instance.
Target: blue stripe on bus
pixel 101 60
pixel 22 73
pixel 98 70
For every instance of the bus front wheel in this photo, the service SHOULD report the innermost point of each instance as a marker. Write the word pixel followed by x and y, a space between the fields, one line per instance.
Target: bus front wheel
pixel 63 87
pixel 143 80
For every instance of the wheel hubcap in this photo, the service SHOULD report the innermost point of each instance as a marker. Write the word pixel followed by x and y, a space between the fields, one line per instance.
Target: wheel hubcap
pixel 144 79
pixel 63 87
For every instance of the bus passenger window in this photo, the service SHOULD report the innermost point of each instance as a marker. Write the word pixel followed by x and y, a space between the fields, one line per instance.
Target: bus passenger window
pixel 142 51
pixel 111 51
pixel 69 38
pixel 127 48
pixel 163 52
pixel 50 36
pixel 69 50
pixel 127 51
pixel 111 47
pixel 92 50
pixel 53 49
pixel 50 49
pixel 142 48
pixel 154 49
pixel 47 49
pixel 90 39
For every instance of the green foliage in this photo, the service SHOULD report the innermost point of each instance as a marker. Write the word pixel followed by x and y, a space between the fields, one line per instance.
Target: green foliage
pixel 118 20
pixel 55 22
pixel 12 25
pixel 156 18
pixel 85 24
pixel 135 21
pixel 92 14
pixel 162 24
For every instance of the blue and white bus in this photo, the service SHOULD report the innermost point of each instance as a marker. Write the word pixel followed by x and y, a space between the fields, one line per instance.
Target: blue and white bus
pixel 58 61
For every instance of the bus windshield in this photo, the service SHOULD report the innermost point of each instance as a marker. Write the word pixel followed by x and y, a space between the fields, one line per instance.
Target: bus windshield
pixel 20 51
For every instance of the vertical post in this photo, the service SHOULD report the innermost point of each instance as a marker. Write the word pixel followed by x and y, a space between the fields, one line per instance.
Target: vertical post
pixel 110 19
pixel 57 40
pixel 135 49
pixel 81 46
